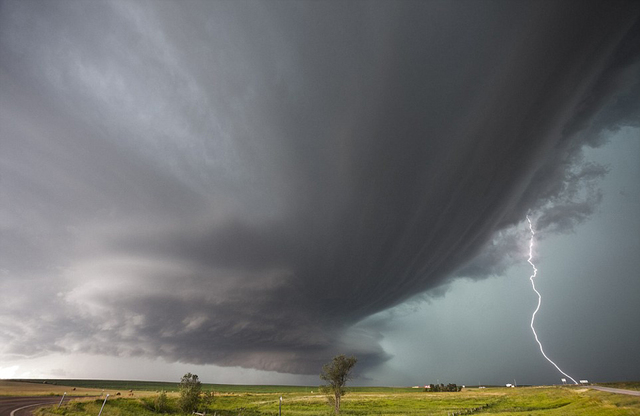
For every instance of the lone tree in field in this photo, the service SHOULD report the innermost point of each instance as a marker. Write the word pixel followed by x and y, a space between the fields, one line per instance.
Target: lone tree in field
pixel 190 388
pixel 336 374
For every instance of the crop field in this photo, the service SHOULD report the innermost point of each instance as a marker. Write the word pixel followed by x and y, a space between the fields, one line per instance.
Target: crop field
pixel 232 400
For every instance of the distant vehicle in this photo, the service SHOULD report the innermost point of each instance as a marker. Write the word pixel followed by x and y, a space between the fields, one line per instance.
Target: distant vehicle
pixel 584 381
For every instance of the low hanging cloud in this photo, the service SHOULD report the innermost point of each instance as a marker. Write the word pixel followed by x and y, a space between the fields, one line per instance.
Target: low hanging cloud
pixel 241 183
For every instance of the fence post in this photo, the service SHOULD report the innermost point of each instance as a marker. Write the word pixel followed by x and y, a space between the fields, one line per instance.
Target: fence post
pixel 61 399
pixel 103 403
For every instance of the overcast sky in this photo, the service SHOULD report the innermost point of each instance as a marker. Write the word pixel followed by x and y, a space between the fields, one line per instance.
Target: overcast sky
pixel 245 189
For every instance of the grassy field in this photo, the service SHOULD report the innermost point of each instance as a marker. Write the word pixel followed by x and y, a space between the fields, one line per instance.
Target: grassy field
pixel 232 400
pixel 14 388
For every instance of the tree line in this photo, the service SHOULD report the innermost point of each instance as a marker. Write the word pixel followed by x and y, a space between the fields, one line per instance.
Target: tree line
pixel 441 387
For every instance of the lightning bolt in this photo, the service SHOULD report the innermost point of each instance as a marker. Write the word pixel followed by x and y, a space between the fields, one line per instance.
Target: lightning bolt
pixel 533 285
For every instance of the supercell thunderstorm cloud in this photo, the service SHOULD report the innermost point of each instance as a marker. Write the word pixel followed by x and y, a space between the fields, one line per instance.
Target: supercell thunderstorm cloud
pixel 242 183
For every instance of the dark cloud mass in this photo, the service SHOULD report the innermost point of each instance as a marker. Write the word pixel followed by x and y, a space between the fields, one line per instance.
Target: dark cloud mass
pixel 241 183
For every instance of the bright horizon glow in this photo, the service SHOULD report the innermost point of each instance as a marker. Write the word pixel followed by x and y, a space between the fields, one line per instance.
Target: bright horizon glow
pixel 533 316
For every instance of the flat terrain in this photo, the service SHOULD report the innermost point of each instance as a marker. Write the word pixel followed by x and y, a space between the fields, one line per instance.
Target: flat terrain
pixel 307 401
pixel 39 388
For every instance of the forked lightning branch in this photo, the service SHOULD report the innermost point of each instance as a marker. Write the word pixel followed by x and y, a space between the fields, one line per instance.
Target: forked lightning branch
pixel 533 285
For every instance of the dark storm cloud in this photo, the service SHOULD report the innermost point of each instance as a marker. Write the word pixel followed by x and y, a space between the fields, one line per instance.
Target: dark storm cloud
pixel 242 183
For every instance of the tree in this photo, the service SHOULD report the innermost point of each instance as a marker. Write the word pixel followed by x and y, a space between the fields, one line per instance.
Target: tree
pixel 336 374
pixel 190 388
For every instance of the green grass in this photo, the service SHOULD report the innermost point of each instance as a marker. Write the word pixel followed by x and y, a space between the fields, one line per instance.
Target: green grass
pixel 299 401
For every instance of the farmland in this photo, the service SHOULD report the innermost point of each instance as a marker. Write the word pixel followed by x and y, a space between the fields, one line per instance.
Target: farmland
pixel 307 401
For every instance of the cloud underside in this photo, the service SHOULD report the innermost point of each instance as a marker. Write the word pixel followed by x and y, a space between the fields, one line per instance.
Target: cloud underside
pixel 241 184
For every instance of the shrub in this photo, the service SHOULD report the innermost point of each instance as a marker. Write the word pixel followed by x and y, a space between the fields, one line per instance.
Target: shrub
pixel 190 388
pixel 160 403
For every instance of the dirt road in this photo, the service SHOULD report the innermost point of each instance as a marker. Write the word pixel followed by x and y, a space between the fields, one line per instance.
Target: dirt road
pixel 23 405
pixel 618 391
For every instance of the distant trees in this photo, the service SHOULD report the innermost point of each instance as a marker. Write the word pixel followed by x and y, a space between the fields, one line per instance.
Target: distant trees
pixel 441 387
pixel 336 374
pixel 190 388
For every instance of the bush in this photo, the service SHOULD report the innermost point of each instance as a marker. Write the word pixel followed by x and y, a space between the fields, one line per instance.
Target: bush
pixel 207 397
pixel 190 388
pixel 161 403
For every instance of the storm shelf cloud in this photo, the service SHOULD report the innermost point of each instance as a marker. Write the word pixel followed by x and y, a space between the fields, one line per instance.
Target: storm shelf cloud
pixel 243 183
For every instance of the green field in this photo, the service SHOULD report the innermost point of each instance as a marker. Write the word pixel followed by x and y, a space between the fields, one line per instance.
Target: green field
pixel 232 400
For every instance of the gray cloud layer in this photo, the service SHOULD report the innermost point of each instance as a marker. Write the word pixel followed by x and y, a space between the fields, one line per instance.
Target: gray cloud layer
pixel 241 183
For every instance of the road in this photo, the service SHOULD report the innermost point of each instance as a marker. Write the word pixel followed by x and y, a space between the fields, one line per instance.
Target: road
pixel 23 405
pixel 619 391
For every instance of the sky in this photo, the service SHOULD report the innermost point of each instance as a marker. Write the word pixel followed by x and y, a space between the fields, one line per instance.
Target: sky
pixel 243 190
